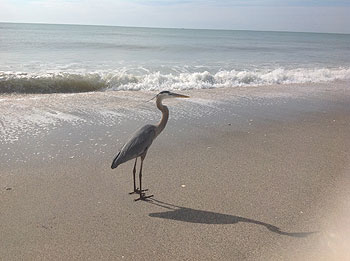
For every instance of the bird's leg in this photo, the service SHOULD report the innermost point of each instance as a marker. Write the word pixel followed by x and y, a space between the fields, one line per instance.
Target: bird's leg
pixel 136 190
pixel 142 195
pixel 134 174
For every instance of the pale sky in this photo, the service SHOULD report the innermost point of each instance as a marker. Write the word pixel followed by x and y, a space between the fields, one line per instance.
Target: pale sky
pixel 276 15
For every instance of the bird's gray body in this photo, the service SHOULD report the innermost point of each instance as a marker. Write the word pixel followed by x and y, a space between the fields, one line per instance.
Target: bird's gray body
pixel 136 146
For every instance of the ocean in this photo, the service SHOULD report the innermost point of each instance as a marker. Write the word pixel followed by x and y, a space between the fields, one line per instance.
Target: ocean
pixel 72 78
pixel 43 58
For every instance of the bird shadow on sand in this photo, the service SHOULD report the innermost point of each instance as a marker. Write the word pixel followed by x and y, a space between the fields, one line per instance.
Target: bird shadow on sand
pixel 206 217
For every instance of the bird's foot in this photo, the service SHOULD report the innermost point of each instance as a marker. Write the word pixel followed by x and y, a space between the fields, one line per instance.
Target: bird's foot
pixel 143 197
pixel 137 191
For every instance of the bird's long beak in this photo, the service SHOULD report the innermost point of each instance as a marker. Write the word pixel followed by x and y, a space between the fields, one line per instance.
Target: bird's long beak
pixel 180 95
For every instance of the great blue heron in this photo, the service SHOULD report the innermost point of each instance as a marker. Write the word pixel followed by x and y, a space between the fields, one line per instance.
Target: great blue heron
pixel 140 142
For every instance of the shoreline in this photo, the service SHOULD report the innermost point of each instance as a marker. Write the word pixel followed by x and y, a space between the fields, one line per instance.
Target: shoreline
pixel 264 170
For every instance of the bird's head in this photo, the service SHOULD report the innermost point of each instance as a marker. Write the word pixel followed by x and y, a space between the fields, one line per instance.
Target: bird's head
pixel 166 95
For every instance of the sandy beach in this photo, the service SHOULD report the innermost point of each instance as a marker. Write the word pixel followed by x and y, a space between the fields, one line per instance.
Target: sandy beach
pixel 258 173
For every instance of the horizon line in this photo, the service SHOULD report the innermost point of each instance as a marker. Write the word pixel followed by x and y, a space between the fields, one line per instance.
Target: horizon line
pixel 177 28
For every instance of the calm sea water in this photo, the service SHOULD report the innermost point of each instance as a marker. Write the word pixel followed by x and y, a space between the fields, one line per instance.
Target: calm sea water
pixel 38 58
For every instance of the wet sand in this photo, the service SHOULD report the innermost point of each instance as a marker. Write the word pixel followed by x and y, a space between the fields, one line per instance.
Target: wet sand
pixel 258 174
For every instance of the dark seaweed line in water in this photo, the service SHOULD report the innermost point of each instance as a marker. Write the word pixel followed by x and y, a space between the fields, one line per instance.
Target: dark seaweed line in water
pixel 51 85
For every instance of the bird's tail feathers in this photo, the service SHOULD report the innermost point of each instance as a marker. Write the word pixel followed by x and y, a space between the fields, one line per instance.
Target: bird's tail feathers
pixel 115 162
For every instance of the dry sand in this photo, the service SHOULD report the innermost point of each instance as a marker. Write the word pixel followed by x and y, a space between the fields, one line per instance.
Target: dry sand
pixel 268 179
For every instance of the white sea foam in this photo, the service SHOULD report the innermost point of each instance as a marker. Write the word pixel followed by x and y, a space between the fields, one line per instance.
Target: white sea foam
pixel 205 80
pixel 74 82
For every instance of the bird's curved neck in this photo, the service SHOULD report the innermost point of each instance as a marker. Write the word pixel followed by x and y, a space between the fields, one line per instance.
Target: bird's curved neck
pixel 165 116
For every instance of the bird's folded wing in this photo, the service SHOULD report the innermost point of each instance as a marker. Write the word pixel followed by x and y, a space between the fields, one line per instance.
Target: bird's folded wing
pixel 137 145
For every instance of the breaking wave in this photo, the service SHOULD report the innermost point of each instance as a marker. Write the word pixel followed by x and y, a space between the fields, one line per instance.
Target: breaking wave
pixel 50 83
pixel 62 82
